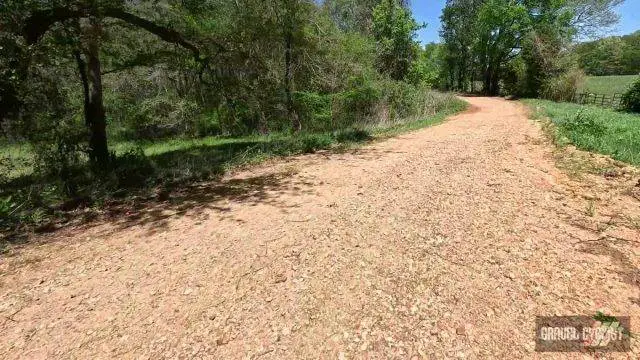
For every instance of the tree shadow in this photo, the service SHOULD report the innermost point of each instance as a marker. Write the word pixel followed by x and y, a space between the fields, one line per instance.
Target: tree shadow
pixel 197 201
pixel 188 181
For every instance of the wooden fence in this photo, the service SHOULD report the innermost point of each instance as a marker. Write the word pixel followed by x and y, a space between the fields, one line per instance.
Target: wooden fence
pixel 605 100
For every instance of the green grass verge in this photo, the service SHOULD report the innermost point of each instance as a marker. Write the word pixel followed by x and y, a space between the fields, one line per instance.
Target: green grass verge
pixel 173 157
pixel 607 85
pixel 594 129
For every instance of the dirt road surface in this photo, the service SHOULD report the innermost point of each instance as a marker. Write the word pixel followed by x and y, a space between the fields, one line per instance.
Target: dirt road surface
pixel 441 243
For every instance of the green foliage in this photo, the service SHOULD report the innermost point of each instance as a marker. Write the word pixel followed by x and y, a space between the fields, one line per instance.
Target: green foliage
pixel 595 129
pixel 583 122
pixel 351 15
pixel 315 111
pixel 518 47
pixel 631 99
pixel 133 169
pixel 7 211
pixel 426 69
pixel 60 154
pixel 356 105
pixel 193 87
pixel 394 29
pixel 208 124
pixel 615 55
pixel 515 77
pixel 563 86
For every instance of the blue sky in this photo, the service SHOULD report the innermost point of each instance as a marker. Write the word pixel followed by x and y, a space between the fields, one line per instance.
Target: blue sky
pixel 429 11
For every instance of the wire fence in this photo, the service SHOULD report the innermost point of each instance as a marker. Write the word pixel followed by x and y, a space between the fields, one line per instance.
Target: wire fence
pixel 604 100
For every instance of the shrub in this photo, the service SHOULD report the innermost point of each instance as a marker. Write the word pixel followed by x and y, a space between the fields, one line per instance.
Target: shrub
pixel 401 99
pixel 562 87
pixel 314 110
pixel 208 125
pixel 237 118
pixel 7 211
pixel 514 80
pixel 162 117
pixel 356 105
pixel 61 155
pixel 353 135
pixel 631 99
pixel 315 142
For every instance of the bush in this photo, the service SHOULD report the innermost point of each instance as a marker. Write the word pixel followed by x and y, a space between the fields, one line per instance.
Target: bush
pixel 163 117
pixel 562 87
pixel 515 78
pixel 356 105
pixel 314 110
pixel 631 99
pixel 61 155
pixel 7 211
pixel 208 125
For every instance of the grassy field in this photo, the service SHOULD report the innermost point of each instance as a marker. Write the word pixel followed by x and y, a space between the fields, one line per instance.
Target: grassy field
pixel 607 85
pixel 594 129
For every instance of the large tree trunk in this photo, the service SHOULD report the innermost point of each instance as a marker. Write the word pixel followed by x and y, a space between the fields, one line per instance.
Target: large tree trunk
pixel 82 69
pixel 495 82
pixel 486 81
pixel 94 108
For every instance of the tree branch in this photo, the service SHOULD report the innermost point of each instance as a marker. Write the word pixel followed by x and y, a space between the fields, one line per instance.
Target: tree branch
pixel 41 21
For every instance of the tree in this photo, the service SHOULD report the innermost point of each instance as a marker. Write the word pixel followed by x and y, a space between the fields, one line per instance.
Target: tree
pixel 613 55
pixel 500 25
pixel 458 33
pixel 352 15
pixel 426 68
pixel 592 17
pixel 487 35
pixel 84 22
pixel 394 29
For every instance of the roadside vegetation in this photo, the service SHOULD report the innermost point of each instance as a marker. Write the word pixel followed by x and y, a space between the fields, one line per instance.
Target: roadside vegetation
pixel 111 99
pixel 593 128
pixel 612 55
pixel 147 168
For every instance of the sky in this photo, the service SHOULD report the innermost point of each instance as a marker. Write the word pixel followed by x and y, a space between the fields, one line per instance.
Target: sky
pixel 428 11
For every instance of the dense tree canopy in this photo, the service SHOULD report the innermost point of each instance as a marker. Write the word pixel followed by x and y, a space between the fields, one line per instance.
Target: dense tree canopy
pixel 76 73
pixel 615 55
pixel 522 44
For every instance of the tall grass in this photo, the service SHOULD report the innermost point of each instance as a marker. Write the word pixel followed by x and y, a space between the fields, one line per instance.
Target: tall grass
pixel 594 129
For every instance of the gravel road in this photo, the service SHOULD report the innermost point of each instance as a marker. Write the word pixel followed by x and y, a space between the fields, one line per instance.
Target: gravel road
pixel 446 242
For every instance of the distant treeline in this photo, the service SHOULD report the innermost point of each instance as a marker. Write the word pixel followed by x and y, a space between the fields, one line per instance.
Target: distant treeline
pixel 615 55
